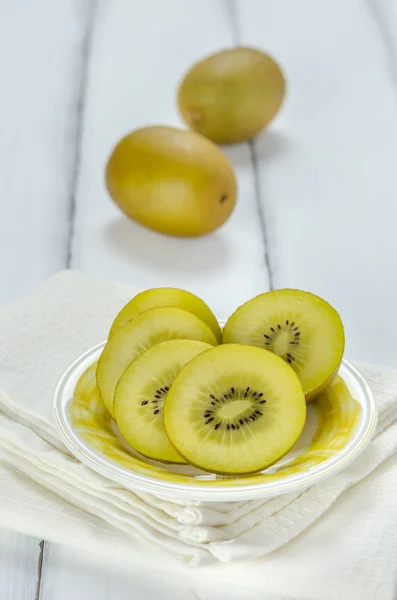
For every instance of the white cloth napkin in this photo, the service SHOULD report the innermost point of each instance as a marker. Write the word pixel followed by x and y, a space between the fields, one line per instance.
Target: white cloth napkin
pixel 39 337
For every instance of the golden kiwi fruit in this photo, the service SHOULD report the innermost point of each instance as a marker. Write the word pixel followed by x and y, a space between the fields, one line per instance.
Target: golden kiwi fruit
pixel 141 392
pixel 157 297
pixel 151 327
pixel 232 95
pixel 170 180
pixel 300 327
pixel 234 410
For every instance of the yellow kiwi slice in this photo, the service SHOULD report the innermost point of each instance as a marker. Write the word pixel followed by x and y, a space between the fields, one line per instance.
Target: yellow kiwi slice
pixel 300 327
pixel 234 410
pixel 140 394
pixel 151 327
pixel 157 297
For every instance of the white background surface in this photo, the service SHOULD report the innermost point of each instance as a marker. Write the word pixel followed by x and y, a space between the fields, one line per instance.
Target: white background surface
pixel 317 202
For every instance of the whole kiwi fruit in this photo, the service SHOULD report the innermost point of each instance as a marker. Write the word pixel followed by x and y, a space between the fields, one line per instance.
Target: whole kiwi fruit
pixel 232 95
pixel 171 180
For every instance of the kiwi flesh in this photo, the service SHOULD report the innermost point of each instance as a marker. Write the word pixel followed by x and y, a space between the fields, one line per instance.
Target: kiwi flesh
pixel 300 327
pixel 140 395
pixel 151 327
pixel 156 297
pixel 234 410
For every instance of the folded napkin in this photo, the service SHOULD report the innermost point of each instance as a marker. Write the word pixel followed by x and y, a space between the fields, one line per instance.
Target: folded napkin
pixel 46 492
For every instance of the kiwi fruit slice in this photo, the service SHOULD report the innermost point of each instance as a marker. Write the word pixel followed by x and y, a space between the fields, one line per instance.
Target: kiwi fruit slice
pixel 231 95
pixel 298 326
pixel 140 394
pixel 157 297
pixel 234 410
pixel 151 327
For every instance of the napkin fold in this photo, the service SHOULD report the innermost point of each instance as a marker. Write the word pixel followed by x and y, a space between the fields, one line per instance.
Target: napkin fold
pixel 39 337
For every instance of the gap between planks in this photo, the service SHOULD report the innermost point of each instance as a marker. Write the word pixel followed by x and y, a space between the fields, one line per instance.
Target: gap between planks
pixel 80 113
pixel 90 20
pixel 232 11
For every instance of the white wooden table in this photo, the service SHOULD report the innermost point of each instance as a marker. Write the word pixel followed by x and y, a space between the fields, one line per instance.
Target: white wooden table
pixel 317 193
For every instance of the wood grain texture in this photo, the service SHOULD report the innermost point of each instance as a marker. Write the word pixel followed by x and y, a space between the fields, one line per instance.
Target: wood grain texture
pixel 324 174
pixel 136 63
pixel 69 574
pixel 327 164
pixel 19 559
pixel 40 47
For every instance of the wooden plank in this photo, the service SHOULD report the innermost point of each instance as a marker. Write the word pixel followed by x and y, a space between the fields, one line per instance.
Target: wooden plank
pixel 325 129
pixel 19 560
pixel 140 52
pixel 40 47
pixel 70 574
pixel 40 61
pixel 327 164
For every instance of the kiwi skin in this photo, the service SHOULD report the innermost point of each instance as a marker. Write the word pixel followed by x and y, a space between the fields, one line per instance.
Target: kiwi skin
pixel 165 356
pixel 229 475
pixel 171 180
pixel 314 394
pixel 157 297
pixel 183 462
pixel 230 96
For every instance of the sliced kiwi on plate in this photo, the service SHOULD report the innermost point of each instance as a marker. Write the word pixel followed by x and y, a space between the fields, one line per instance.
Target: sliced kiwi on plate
pixel 140 394
pixel 158 297
pixel 234 410
pixel 151 327
pixel 300 327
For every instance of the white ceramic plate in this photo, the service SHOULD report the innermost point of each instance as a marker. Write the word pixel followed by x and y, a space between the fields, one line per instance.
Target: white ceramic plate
pixel 338 428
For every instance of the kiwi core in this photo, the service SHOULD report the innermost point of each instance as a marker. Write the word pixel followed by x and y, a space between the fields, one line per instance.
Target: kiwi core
pixel 284 340
pixel 234 409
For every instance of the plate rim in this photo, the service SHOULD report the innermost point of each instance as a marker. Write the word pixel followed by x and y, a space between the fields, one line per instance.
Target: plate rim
pixel 169 490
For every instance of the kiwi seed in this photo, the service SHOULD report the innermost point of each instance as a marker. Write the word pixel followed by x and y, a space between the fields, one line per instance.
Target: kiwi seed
pixel 300 327
pixel 234 409
pixel 157 400
pixel 141 394
pixel 294 339
pixel 212 417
